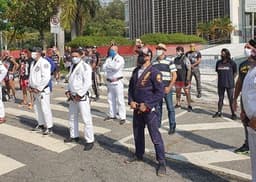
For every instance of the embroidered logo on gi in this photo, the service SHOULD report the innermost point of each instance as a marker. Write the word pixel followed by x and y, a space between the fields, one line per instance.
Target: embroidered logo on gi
pixel 245 69
pixel 159 78
pixel 145 79
pixel 37 69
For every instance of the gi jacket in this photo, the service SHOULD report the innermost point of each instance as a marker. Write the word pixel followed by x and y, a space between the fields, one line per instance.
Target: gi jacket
pixel 80 78
pixel 148 88
pixel 40 74
pixel 3 72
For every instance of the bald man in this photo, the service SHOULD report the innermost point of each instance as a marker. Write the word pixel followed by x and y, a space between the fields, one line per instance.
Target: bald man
pixel 113 68
pixel 195 59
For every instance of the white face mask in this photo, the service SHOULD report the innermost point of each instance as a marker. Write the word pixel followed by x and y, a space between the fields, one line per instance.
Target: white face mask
pixel 159 52
pixel 75 60
pixel 179 53
pixel 33 55
pixel 247 52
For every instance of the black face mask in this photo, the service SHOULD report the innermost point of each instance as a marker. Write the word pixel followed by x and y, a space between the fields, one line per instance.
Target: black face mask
pixel 141 60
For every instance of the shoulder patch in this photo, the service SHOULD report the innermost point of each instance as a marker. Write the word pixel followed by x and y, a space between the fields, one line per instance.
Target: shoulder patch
pixel 159 78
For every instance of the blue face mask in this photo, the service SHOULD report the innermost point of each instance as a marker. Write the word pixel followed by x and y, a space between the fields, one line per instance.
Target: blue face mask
pixel 111 53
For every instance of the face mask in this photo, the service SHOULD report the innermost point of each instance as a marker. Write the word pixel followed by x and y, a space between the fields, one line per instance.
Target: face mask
pixel 247 52
pixel 33 55
pixel 111 53
pixel 22 57
pixel 159 53
pixel 75 60
pixel 141 60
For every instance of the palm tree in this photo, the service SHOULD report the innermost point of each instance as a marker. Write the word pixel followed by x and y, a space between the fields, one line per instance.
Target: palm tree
pixel 75 13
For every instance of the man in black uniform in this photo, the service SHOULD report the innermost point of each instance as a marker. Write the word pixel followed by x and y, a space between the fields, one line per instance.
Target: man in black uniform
pixel 243 69
pixel 146 90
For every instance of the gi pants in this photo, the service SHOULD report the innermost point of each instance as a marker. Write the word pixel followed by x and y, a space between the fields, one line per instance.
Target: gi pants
pixel 152 121
pixel 116 99
pixel 43 108
pixel 84 107
pixel 252 147
pixel 2 114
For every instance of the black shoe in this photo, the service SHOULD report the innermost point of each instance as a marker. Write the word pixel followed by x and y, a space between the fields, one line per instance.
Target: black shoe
pixel 88 146
pixel 39 128
pixel 217 114
pixel 97 98
pixel 161 170
pixel 171 131
pixel 189 108
pixel 199 95
pixel 244 149
pixel 108 118
pixel 177 106
pixel 47 131
pixel 71 140
pixel 122 121
pixel 133 159
pixel 234 117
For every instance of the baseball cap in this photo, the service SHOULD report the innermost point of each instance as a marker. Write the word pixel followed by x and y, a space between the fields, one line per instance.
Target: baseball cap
pixel 161 46
pixel 144 51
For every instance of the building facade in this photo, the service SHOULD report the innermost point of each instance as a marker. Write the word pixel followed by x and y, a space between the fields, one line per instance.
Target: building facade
pixel 172 16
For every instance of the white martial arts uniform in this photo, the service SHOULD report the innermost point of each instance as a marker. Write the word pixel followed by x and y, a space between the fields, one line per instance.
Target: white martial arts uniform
pixel 249 103
pixel 80 80
pixel 113 69
pixel 40 75
pixel 3 72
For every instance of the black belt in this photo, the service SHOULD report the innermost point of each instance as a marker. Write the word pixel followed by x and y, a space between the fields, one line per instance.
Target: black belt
pixel 114 80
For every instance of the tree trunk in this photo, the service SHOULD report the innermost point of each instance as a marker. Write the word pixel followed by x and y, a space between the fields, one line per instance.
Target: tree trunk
pixel 73 30
pixel 42 39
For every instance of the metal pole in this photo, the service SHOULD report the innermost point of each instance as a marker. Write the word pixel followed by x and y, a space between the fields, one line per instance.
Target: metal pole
pixel 252 25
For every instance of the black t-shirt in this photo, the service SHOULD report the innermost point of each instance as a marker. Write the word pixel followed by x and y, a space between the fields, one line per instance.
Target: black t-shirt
pixel 226 73
pixel 193 56
pixel 243 69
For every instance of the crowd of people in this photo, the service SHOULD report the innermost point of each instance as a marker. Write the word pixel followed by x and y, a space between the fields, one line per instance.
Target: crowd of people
pixel 153 80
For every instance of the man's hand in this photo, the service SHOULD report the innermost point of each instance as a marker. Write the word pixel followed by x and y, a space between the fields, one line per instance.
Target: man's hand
pixel 167 89
pixel 133 105
pixel 252 123
pixel 143 107
pixel 68 95
pixel 77 98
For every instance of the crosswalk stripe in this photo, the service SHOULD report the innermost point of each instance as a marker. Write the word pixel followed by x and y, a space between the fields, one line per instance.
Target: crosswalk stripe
pixel 59 121
pixel 7 164
pixel 51 144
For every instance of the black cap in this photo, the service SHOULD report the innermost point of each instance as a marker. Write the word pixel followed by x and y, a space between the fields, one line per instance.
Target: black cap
pixel 36 49
pixel 252 42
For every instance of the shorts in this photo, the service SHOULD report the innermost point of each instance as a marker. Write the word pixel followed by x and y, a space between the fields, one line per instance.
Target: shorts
pixel 23 83
pixel 182 84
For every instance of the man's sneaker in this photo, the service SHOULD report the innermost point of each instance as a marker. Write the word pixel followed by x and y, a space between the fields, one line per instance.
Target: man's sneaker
pixel 177 106
pixel 71 140
pixel 122 121
pixel 39 128
pixel 171 131
pixel 199 95
pixel 234 117
pixel 134 158
pixel 189 108
pixel 161 170
pixel 109 118
pixel 88 146
pixel 217 114
pixel 47 131
pixel 244 149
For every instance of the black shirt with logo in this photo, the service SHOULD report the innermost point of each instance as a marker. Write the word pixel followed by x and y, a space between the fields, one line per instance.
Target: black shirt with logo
pixel 226 73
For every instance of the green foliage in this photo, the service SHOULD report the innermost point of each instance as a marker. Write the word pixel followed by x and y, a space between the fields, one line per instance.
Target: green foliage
pixel 115 9
pixel 176 38
pixel 99 41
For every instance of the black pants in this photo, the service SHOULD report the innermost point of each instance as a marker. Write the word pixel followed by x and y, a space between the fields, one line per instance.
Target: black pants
pixel 196 73
pixel 221 93
pixel 95 84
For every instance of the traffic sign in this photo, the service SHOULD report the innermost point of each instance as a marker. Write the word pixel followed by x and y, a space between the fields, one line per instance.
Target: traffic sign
pixel 55 24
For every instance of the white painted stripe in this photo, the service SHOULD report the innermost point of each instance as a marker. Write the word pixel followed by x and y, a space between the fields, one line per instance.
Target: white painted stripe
pixel 208 126
pixel 7 164
pixel 58 121
pixel 37 139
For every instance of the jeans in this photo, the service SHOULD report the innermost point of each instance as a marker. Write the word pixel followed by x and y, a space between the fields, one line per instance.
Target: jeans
pixel 171 111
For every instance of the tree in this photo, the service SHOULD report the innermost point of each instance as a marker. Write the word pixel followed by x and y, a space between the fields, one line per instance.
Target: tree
pixel 116 9
pixel 76 13
pixel 34 14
